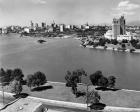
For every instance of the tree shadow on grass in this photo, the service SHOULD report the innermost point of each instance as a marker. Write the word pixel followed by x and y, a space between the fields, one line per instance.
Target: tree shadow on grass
pixel 97 106
pixel 106 89
pixel 21 95
pixel 42 88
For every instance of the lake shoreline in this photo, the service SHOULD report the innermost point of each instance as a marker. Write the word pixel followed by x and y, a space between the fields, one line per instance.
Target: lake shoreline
pixel 111 48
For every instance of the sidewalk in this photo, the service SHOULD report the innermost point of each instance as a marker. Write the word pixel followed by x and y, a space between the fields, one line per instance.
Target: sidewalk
pixel 70 105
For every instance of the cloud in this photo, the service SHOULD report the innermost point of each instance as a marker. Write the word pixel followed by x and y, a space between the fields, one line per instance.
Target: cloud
pixel 39 1
pixel 126 8
pixel 126 5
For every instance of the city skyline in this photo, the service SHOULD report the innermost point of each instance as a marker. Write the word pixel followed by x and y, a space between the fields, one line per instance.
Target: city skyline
pixel 19 12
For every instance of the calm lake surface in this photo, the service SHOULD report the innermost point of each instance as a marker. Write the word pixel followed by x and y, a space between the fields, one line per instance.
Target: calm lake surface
pixel 56 56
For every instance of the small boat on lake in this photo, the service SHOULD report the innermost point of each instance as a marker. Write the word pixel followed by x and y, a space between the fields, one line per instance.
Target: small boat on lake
pixel 41 41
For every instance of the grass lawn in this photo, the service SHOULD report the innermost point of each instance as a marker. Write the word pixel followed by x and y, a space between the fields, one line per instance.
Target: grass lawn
pixel 56 91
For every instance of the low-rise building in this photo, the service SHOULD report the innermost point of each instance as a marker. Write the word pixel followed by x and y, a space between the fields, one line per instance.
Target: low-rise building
pixel 26 29
pixel 109 35
pixel 128 36
pixel 4 30
pixel 25 105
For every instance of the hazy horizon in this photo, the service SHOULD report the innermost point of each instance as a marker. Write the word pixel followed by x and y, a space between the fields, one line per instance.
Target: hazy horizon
pixel 21 12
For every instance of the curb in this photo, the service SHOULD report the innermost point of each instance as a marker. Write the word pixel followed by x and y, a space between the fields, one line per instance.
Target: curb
pixel 64 104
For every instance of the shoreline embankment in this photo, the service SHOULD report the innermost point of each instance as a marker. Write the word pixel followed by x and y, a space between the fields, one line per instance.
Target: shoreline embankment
pixel 112 49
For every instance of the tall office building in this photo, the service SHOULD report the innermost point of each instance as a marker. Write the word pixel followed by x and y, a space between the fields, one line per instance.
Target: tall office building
pixel 122 25
pixel 36 25
pixel 61 28
pixel 118 27
pixel 115 28
pixel 43 25
pixel 32 25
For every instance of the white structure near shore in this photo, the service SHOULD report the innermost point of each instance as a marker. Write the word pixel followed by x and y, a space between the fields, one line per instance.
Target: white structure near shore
pixel 119 32
pixel 127 36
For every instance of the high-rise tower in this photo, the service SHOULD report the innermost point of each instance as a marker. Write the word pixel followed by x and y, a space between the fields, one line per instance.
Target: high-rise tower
pixel 115 28
pixel 118 27
pixel 122 25
pixel 32 25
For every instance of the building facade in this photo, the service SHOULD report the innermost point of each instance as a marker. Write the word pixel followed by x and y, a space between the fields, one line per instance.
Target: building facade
pixel 118 27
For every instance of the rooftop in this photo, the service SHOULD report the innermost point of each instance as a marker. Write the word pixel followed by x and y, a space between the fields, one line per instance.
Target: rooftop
pixel 24 105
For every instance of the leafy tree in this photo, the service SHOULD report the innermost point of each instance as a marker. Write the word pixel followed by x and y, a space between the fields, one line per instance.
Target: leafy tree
pixel 111 81
pixel 123 46
pixel 4 78
pixel 80 72
pixel 134 42
pixel 137 46
pixel 102 42
pixel 16 87
pixel 37 79
pixel 103 81
pixel 93 97
pixel 98 79
pixel 74 88
pixel 68 79
pixel 73 78
pixel 9 74
pixel 124 41
pixel 17 74
pixel 95 77
pixel 114 41
pixel 29 80
pixel 2 74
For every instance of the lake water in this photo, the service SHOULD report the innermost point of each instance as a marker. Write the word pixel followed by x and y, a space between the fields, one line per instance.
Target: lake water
pixel 56 56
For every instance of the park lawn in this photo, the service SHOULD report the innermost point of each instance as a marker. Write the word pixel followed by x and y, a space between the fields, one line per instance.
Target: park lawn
pixel 59 91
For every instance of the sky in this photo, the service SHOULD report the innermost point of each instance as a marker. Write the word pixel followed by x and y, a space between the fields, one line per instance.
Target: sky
pixel 21 12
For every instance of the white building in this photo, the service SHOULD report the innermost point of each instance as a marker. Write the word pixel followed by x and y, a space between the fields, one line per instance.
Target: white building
pixel 50 28
pixel 109 35
pixel 4 30
pixel 26 29
pixel 68 26
pixel 127 36
pixel 61 28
